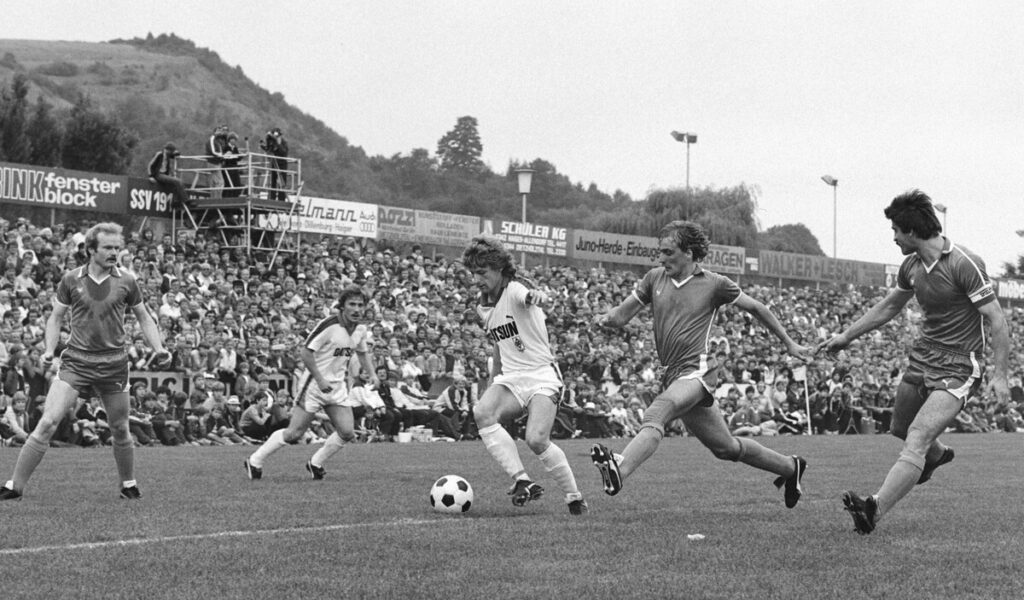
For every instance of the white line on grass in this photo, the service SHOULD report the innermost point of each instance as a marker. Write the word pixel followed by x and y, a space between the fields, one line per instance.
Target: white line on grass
pixel 215 535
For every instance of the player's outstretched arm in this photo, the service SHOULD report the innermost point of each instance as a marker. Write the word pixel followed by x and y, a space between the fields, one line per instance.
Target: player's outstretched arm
pixel 621 314
pixel 878 315
pixel 537 298
pixel 768 318
pixel 999 331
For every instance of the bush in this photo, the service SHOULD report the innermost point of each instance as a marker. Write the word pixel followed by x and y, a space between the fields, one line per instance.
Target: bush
pixel 100 68
pixel 58 69
pixel 128 76
pixel 11 62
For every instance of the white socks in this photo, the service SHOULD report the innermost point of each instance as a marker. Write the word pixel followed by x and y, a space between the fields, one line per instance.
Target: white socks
pixel 274 443
pixel 331 447
pixel 557 465
pixel 503 448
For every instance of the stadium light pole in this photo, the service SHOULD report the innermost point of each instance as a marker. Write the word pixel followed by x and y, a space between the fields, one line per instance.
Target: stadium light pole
pixel 942 209
pixel 832 181
pixel 686 138
pixel 524 177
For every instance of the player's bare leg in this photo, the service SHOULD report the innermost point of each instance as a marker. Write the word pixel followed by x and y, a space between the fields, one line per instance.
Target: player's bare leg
pixel 59 400
pixel 707 424
pixel 680 397
pixel 909 400
pixel 542 410
pixel 937 413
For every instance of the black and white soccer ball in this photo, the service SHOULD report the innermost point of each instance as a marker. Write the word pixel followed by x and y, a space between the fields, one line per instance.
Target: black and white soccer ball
pixel 451 494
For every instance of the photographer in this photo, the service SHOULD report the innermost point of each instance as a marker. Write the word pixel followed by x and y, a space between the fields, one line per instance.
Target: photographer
pixel 163 170
pixel 275 145
pixel 232 171
pixel 215 147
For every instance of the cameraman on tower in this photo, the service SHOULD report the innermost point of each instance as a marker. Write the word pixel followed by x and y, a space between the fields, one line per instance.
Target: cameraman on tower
pixel 275 145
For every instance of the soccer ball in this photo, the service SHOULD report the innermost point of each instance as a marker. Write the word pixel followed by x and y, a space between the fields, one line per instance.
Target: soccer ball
pixel 451 494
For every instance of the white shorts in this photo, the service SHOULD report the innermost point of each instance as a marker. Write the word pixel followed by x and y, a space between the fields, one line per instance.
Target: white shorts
pixel 524 385
pixel 312 400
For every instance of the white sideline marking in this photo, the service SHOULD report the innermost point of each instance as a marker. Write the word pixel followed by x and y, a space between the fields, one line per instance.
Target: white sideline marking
pixel 209 536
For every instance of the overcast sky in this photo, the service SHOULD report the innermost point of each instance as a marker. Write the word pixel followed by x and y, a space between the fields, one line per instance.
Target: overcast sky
pixel 883 96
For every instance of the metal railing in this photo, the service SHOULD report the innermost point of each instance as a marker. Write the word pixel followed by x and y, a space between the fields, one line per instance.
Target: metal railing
pixel 258 176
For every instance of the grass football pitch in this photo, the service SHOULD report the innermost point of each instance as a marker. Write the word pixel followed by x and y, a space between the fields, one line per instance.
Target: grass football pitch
pixel 203 530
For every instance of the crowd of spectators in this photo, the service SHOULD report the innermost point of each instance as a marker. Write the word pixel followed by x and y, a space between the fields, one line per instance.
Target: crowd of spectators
pixel 233 323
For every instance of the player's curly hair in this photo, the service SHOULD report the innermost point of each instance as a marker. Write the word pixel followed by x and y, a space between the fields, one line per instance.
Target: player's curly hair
pixel 687 235
pixel 350 291
pixel 92 237
pixel 488 252
pixel 913 211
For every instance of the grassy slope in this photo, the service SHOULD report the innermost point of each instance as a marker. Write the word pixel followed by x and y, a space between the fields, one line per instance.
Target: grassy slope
pixel 180 86
pixel 956 537
pixel 32 54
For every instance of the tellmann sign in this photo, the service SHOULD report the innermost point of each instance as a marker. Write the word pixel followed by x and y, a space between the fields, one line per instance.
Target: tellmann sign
pixel 62 188
pixel 327 216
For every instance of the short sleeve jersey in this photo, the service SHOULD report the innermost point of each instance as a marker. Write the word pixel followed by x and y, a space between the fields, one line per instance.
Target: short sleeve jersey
pixel 684 312
pixel 949 292
pixel 517 329
pixel 97 308
pixel 332 347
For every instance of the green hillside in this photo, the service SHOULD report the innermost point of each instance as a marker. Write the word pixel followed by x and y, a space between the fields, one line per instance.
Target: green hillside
pixel 165 88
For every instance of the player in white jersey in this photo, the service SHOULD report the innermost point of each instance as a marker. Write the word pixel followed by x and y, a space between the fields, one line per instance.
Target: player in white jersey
pixel 525 377
pixel 326 385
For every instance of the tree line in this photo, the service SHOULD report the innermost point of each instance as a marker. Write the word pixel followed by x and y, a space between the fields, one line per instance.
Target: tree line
pixel 82 138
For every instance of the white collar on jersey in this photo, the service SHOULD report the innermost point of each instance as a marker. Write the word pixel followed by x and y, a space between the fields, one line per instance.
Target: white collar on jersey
pixel 84 272
pixel 947 247
pixel 696 271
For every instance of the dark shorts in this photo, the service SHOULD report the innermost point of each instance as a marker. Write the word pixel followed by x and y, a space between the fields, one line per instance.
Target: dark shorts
pixel 933 368
pixel 708 373
pixel 665 409
pixel 104 372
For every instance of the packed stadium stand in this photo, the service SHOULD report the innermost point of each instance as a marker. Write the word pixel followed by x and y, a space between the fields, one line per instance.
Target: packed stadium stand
pixel 234 323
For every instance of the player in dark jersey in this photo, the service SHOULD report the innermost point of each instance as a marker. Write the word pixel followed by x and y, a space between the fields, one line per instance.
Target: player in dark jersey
pixel 955 294
pixel 685 299
pixel 96 295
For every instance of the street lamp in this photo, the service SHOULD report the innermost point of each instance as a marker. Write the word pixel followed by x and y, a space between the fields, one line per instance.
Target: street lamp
pixel 525 179
pixel 942 209
pixel 686 138
pixel 832 181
